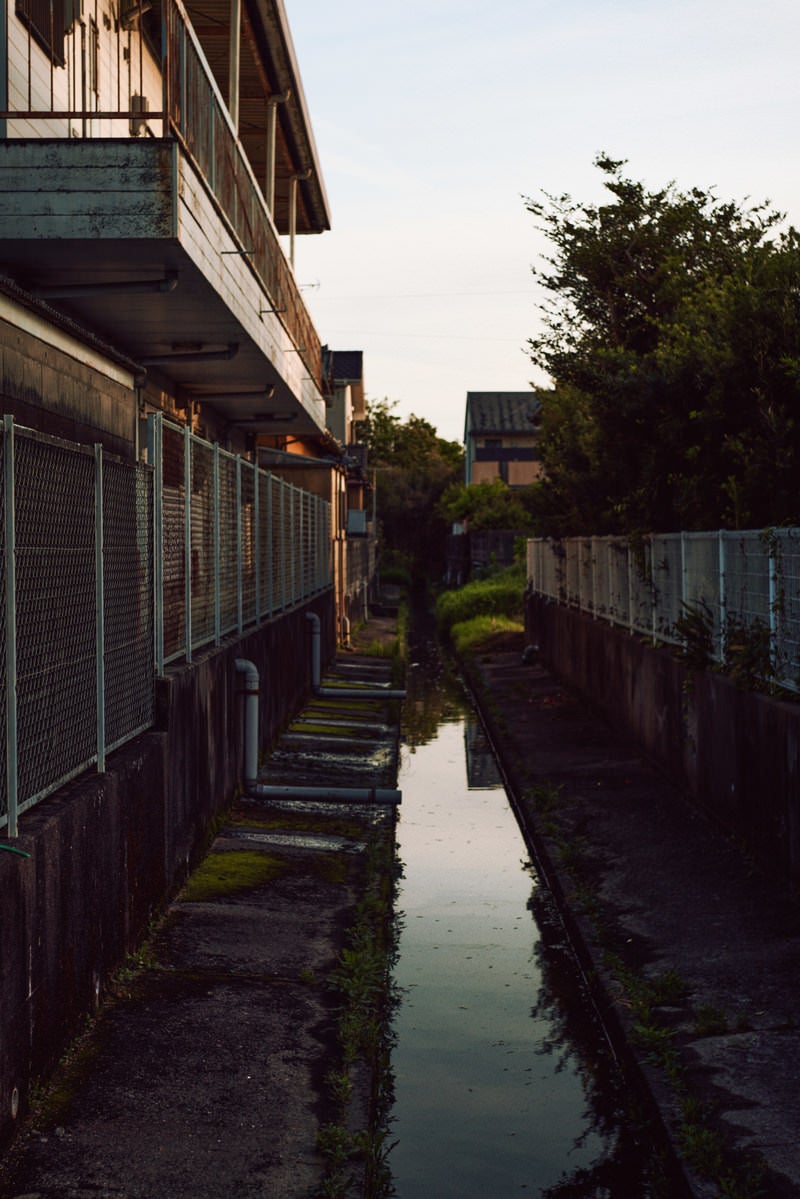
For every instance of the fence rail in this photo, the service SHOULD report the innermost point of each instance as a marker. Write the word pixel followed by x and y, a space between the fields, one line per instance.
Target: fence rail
pixel 727 586
pixel 112 570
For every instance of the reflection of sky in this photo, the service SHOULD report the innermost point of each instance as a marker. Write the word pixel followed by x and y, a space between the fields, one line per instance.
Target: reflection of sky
pixel 480 1109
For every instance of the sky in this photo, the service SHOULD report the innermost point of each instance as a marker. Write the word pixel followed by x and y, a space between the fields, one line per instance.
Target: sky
pixel 434 119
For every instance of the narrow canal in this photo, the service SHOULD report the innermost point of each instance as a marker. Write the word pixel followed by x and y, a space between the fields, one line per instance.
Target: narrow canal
pixel 504 1082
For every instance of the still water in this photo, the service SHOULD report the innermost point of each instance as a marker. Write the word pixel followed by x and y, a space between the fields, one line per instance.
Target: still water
pixel 504 1084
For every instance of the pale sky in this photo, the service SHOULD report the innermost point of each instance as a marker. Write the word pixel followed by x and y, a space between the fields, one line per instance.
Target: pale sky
pixel 433 118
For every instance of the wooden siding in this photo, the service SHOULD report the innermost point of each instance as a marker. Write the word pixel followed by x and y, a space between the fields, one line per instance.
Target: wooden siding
pixel 100 190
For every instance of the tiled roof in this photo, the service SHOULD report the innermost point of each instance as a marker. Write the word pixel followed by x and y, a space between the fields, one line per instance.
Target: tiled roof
pixel 501 412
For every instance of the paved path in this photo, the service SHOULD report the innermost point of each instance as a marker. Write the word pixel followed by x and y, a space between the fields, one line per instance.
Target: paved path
pixel 688 941
pixel 208 1075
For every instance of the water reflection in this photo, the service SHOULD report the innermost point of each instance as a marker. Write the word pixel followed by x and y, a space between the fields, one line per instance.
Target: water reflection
pixel 503 1082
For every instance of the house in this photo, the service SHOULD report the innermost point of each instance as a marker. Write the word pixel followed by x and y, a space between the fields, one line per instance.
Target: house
pixel 501 430
pixel 157 163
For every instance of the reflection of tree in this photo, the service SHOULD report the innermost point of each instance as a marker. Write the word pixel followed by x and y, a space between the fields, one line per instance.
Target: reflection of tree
pixel 633 1164
pixel 434 695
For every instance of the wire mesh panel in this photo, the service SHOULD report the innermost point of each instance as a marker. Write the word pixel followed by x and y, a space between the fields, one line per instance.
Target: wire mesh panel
pixel 618 603
pixel 787 605
pixel 280 581
pixel 701 582
pixel 202 528
pixel 249 546
pixel 3 636
pixel 747 579
pixel 585 574
pixel 602 579
pixel 667 584
pixel 265 563
pixel 127 563
pixel 228 545
pixel 571 573
pixel 641 586
pixel 173 518
pixel 55 605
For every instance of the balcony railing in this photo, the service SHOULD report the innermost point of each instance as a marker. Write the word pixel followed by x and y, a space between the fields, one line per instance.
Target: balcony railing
pixel 192 111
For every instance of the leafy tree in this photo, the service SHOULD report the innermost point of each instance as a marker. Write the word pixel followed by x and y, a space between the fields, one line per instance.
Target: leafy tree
pixel 487 505
pixel 413 467
pixel 672 335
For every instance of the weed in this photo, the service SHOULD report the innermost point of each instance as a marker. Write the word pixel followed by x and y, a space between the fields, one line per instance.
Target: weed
pixel 710 1021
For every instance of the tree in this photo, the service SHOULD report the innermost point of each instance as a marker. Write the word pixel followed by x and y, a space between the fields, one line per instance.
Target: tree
pixel 672 335
pixel 413 467
pixel 487 505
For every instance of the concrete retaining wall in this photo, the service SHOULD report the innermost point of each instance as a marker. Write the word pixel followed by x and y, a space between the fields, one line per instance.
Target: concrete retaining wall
pixel 108 851
pixel 736 753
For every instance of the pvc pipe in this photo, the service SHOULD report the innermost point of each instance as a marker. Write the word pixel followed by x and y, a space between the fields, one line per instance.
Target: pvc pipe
pixel 358 693
pixel 251 692
pixel 367 795
pixel 340 692
pixel 315 649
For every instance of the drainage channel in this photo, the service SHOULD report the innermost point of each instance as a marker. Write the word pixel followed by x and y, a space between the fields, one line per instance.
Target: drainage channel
pixel 504 1082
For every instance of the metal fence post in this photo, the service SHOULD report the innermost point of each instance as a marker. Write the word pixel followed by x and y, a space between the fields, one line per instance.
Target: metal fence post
pixel 12 777
pixel 239 555
pixel 292 544
pixel 187 537
pixel 270 562
pixel 257 539
pixel 100 636
pixel 723 599
pixel 284 485
pixel 155 456
pixel 217 582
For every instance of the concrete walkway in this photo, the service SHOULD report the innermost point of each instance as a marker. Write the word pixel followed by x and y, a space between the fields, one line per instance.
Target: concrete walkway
pixel 221 1057
pixel 695 956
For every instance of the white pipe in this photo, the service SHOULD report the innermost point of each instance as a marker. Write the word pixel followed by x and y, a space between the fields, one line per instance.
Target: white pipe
pixel 251 691
pixel 367 795
pixel 316 672
pixel 340 692
pixel 234 61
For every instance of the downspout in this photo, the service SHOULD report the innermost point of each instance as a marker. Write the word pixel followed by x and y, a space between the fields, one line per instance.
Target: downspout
pixel 234 62
pixel 366 795
pixel 272 122
pixel 251 693
pixel 372 692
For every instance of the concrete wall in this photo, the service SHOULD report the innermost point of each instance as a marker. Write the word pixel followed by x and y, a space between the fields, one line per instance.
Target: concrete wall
pixel 736 753
pixel 108 851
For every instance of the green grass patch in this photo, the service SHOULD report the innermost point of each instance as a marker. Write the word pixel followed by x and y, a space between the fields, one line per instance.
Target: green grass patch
pixel 500 595
pixel 473 636
pixel 227 873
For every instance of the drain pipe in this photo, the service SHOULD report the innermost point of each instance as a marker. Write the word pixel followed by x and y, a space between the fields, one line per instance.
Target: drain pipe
pixel 365 795
pixel 256 790
pixel 369 692
pixel 251 692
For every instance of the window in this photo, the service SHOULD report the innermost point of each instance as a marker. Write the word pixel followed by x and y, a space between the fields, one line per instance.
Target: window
pixel 45 21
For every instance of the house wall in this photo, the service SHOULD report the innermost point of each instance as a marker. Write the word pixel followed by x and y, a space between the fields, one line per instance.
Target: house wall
pixel 735 752
pixel 108 851
pixel 54 383
pixel 125 65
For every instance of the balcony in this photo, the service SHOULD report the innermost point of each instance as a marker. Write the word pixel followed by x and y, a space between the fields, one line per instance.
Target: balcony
pixel 147 224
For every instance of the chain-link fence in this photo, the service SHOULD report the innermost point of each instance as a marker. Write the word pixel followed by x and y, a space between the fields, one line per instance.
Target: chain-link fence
pixel 234 544
pixel 110 570
pixel 732 595
pixel 77 627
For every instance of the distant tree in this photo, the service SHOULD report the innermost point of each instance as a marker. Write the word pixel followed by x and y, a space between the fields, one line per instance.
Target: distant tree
pixel 487 505
pixel 672 336
pixel 413 467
